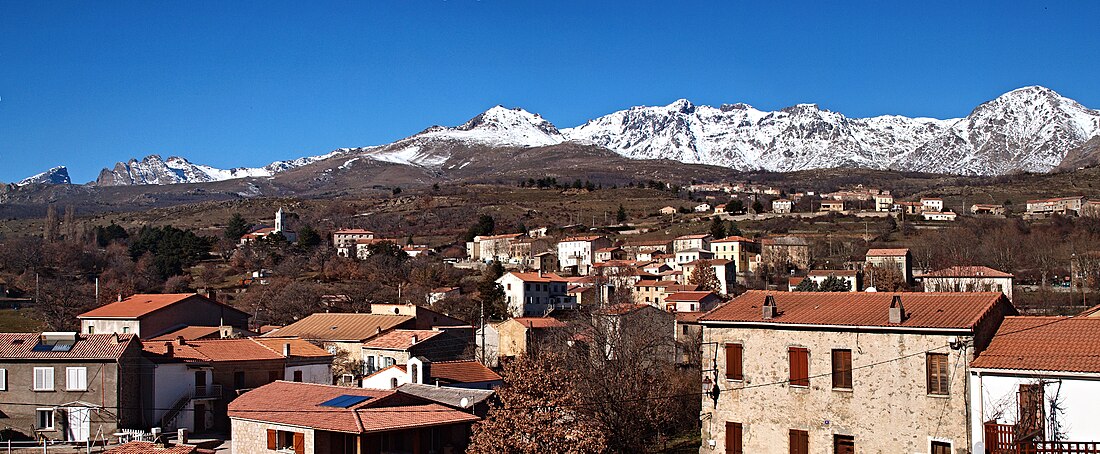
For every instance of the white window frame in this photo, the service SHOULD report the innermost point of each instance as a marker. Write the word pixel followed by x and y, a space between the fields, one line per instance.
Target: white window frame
pixel 950 443
pixel 37 418
pixel 47 385
pixel 81 378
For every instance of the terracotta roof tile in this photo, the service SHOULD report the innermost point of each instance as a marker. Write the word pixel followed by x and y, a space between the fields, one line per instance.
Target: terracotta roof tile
pixel 968 271
pixel 1059 344
pixel 698 236
pixel 188 333
pixel 585 238
pixel 827 273
pixel 401 339
pixel 251 349
pixel 536 277
pixel 299 404
pixel 688 296
pixel 539 322
pixel 461 372
pixel 688 317
pixel 146 447
pixel 882 252
pixel 353 232
pixel 143 304
pixel 924 310
pixel 733 239
pixel 341 327
pixel 87 346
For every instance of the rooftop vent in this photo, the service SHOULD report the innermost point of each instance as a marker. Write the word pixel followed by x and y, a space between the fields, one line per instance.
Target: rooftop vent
pixel 897 311
pixel 769 310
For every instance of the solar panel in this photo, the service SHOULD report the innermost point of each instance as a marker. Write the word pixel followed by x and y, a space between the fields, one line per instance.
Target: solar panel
pixel 344 401
pixel 48 347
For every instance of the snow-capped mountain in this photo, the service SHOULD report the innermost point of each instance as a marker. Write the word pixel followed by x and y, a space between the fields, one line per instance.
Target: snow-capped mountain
pixel 1029 129
pixel 154 170
pixel 434 147
pixel 56 175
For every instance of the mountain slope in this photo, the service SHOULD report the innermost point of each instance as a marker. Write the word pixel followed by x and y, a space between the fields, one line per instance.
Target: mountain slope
pixel 154 170
pixel 56 175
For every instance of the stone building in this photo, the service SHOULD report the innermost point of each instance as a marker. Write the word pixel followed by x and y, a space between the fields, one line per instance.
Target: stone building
pixel 787 253
pixel 968 279
pixel 899 258
pixel 843 372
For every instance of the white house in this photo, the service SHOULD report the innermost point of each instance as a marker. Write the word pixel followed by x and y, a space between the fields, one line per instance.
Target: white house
pixel 853 277
pixel 458 374
pixel 534 293
pixel 884 202
pixel 702 208
pixel 782 206
pixel 579 252
pixel 686 256
pixel 968 279
pixel 939 215
pixel 1038 379
pixel 931 204
pixel 699 241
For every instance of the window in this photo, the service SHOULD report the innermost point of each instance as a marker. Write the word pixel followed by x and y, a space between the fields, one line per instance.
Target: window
pixel 800 366
pixel 281 440
pixel 273 376
pixel 734 367
pixel 3 379
pixel 941 447
pixel 125 330
pixel 91 329
pixel 844 444
pixel 842 369
pixel 733 438
pixel 43 379
pixel 298 376
pixel 412 373
pixel 800 442
pixel 238 379
pixel 393 383
pixel 44 417
pixel 937 373
pixel 76 378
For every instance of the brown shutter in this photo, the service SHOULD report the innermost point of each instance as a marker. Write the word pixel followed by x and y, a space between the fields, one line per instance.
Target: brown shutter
pixel 734 367
pixel 842 368
pixel 272 440
pixel 799 442
pixel 299 443
pixel 937 373
pixel 733 438
pixel 799 366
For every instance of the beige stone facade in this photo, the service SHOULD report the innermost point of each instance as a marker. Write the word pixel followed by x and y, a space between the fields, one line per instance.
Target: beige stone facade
pixel 250 437
pixel 887 410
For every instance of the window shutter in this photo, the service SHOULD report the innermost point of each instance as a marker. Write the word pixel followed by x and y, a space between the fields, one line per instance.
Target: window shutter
pixel 299 443
pixel 799 442
pixel 733 438
pixel 799 366
pixel 272 440
pixel 3 379
pixel 937 373
pixel 734 366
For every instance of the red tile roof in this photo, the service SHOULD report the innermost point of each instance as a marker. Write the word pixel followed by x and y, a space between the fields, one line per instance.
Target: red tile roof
pixel 923 310
pixel 87 346
pixel 624 308
pixel 189 333
pixel 968 271
pixel 353 232
pixel 461 372
pixel 828 273
pixel 697 236
pixel 536 277
pixel 401 339
pixel 688 317
pixel 688 296
pixel 896 252
pixel 341 327
pixel 1060 344
pixel 140 305
pixel 732 239
pixel 252 349
pixel 539 322
pixel 585 238
pixel 299 404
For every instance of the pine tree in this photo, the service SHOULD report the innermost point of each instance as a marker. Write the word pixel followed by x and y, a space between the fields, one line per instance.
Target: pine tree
pixel 620 217
pixel 236 227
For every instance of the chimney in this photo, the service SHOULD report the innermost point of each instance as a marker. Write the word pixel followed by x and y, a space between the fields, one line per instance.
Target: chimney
pixel 286 350
pixel 180 340
pixel 212 294
pixel 769 309
pixel 181 436
pixel 378 331
pixel 168 350
pixel 413 339
pixel 120 297
pixel 897 311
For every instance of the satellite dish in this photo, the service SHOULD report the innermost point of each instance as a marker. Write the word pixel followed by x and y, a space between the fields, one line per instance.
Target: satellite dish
pixel 464 402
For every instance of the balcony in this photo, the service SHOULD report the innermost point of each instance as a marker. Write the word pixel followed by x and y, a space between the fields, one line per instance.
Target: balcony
pixel 1002 439
pixel 207 392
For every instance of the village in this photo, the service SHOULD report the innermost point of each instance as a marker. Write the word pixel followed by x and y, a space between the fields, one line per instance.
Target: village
pixel 744 342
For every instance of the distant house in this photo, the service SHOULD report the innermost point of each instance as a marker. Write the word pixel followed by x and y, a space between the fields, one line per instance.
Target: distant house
pixel 739 250
pixel 782 206
pixel 691 301
pixel 494 247
pixel 534 294
pixel 724 270
pixel 441 293
pixel 459 374
pixel 578 253
pixel 668 210
pixel 982 208
pixel 608 254
pixel 899 258
pixel 720 209
pixel 343 332
pixel 69 386
pixel 786 252
pixel 151 315
pixel 344 239
pixel 523 335
pixel 702 208
pixel 883 202
pixel 1057 205
pixel 934 204
pixel 303 418
pixel 685 256
pixel 1037 371
pixel 400 345
pixel 853 277
pixel 907 207
pixel 968 279
pixel 793 371
pixel 831 205
pixel 697 241
pixel 939 216
pixel 265 232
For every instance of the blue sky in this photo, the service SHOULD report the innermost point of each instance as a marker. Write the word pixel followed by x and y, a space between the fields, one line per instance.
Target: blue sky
pixel 86 84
